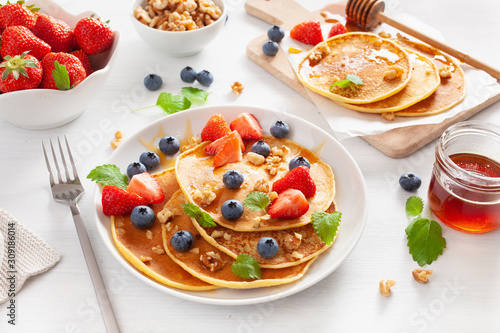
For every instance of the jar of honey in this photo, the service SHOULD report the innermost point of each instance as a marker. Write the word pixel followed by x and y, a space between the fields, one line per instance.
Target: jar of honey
pixel 464 191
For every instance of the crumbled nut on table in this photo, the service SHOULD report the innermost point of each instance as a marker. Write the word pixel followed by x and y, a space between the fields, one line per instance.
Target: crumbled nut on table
pixel 422 275
pixel 118 140
pixel 385 286
pixel 237 88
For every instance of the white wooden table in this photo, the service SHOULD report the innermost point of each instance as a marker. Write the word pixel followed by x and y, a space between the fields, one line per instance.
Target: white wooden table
pixel 462 296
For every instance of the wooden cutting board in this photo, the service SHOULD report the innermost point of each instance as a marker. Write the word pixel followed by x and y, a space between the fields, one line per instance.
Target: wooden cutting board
pixel 395 143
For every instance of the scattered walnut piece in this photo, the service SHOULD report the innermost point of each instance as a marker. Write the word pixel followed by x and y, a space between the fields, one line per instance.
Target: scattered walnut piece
pixel 445 72
pixel 388 116
pixel 227 236
pixel 385 286
pixel 206 196
pixel 394 72
pixel 422 275
pixel 195 250
pixel 149 234
pixel 297 256
pixel 321 51
pixel 167 213
pixel 217 234
pixel 158 249
pixel 292 242
pixel 118 140
pixel 384 34
pixel 145 258
pixel 261 185
pixel 237 88
pixel 212 261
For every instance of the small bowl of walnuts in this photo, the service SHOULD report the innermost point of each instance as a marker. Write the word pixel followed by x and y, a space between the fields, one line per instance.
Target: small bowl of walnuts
pixel 178 28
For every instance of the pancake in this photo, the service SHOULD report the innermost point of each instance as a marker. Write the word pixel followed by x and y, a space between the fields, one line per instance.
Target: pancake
pixel 134 244
pixel 424 81
pixel 296 245
pixel 383 65
pixel 208 180
pixel 450 92
pixel 209 264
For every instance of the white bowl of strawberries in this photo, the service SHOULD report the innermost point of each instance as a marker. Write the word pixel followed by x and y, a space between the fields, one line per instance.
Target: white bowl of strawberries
pixel 53 63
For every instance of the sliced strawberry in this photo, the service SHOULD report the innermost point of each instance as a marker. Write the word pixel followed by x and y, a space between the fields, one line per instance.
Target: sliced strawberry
pixel 247 125
pixel 117 201
pixel 146 186
pixel 337 29
pixel 300 179
pixel 308 32
pixel 216 146
pixel 289 204
pixel 229 153
pixel 215 128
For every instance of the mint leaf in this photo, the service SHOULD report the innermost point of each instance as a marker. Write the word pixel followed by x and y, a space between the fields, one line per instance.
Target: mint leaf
pixel 354 79
pixel 61 76
pixel 351 81
pixel 194 94
pixel 246 267
pixel 172 103
pixel 256 201
pixel 108 174
pixel 326 225
pixel 414 206
pixel 341 84
pixel 203 218
pixel 425 241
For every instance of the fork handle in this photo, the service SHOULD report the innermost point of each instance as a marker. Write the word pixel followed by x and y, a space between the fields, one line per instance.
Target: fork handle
pixel 99 287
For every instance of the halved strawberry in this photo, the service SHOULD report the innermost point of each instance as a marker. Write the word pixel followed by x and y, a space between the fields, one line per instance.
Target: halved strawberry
pixel 289 204
pixel 215 128
pixel 337 29
pixel 216 146
pixel 247 125
pixel 308 32
pixel 117 201
pixel 229 153
pixel 146 186
pixel 300 179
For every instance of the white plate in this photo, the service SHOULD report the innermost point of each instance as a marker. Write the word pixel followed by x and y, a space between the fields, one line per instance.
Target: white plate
pixel 351 199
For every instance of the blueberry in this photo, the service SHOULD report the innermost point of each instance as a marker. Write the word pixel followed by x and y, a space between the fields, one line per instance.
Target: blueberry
pixel 150 159
pixel 233 179
pixel 280 129
pixel 297 161
pixel 276 33
pixel 153 82
pixel 267 247
pixel 169 145
pixel 270 48
pixel 188 74
pixel 135 168
pixel 410 181
pixel 182 240
pixel 232 210
pixel 205 78
pixel 261 148
pixel 142 217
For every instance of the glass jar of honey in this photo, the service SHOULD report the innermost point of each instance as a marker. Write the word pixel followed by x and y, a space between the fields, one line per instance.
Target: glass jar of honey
pixel 464 191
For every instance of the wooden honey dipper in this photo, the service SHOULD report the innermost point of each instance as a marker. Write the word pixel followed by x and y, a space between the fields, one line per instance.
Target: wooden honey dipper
pixel 370 13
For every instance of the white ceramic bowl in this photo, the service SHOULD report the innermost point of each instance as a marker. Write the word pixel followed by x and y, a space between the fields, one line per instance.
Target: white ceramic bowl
pixel 178 43
pixel 48 108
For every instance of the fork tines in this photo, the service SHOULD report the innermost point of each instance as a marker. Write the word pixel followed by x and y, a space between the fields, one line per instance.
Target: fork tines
pixel 67 177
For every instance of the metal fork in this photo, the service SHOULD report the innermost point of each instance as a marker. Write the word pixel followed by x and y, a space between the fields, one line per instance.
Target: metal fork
pixel 69 189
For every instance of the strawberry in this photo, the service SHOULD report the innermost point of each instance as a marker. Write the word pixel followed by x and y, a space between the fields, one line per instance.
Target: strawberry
pixel 337 29
pixel 215 128
pixel 300 179
pixel 54 32
pixel 247 125
pixel 18 39
pixel 93 35
pixel 85 60
pixel 17 14
pixel 308 32
pixel 229 153
pixel 117 201
pixel 289 204
pixel 61 65
pixel 147 187
pixel 216 145
pixel 20 73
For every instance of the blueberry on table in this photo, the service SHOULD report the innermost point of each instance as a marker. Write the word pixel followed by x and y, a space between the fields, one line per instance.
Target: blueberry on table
pixel 298 161
pixel 280 129
pixel 182 240
pixel 205 78
pixel 142 217
pixel 261 148
pixel 135 168
pixel 150 159
pixel 169 145
pixel 232 210
pixel 276 33
pixel 267 247
pixel 188 74
pixel 153 82
pixel 233 179
pixel 270 48
pixel 410 181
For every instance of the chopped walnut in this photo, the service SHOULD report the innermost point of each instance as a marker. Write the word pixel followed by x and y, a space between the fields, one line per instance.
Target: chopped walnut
pixel 206 197
pixel 261 185
pixel 149 234
pixel 217 234
pixel 118 140
pixel 388 116
pixel 171 227
pixel 237 88
pixel 321 51
pixel 227 236
pixel 158 249
pixel 384 34
pixel 394 72
pixel 212 261
pixel 145 258
pixel 166 214
pixel 195 250
pixel 256 222
pixel 255 158
pixel 297 256
pixel 422 275
pixel 385 286
pixel 141 15
pixel 276 159
pixel 445 72
pixel 292 242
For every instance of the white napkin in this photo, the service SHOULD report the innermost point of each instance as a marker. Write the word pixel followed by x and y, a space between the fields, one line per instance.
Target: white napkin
pixel 22 254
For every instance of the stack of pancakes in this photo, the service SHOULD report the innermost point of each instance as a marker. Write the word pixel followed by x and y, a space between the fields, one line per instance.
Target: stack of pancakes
pixel 399 77
pixel 207 265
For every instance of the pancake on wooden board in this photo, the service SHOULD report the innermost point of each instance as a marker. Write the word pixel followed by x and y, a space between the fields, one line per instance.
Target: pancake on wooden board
pixel 383 65
pixel 197 176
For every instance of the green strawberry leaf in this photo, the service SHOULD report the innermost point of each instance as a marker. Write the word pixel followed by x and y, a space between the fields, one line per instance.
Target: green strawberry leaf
pixel 203 218
pixel 109 174
pixel 256 201
pixel 171 103
pixel 61 76
pixel 194 94
pixel 246 267
pixel 425 241
pixel 326 225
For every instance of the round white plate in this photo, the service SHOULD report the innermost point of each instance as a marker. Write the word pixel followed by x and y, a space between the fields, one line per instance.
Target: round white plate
pixel 351 198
